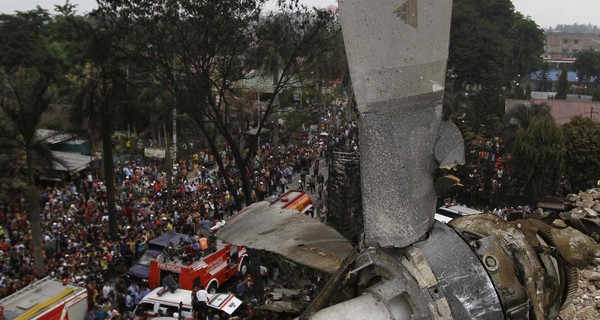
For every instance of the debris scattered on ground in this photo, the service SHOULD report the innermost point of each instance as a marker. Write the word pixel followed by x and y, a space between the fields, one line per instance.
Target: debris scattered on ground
pixel 585 211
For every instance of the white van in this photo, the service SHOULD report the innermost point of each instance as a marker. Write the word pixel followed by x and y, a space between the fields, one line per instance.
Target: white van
pixel 167 304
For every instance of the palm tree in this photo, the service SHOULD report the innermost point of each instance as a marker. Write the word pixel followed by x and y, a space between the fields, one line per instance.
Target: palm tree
pixel 521 116
pixel 100 88
pixel 24 98
pixel 30 62
pixel 528 132
pixel 563 85
pixel 538 158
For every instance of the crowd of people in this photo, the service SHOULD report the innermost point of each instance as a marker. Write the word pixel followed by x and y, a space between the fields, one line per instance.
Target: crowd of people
pixel 76 244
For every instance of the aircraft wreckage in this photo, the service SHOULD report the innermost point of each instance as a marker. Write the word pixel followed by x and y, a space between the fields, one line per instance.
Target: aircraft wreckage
pixel 410 266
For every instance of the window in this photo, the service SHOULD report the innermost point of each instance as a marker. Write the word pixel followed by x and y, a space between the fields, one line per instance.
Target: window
pixel 565 41
pixel 146 306
pixel 575 41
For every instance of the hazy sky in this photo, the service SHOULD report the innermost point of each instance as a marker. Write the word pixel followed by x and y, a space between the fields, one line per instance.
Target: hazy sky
pixel 546 13
pixel 549 13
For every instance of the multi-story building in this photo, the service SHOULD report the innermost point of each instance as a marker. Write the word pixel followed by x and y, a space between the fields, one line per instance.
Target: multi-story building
pixel 561 45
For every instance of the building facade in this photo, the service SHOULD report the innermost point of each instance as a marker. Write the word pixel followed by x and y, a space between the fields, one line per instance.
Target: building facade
pixel 560 45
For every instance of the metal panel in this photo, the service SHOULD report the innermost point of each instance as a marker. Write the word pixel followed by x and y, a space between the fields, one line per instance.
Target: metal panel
pixel 397 55
pixel 294 235
pixel 461 277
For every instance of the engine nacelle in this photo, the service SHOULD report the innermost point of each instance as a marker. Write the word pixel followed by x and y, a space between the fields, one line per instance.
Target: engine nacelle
pixel 481 268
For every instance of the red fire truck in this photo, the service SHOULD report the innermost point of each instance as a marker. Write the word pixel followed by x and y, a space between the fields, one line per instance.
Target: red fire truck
pixel 295 200
pixel 211 271
pixel 225 262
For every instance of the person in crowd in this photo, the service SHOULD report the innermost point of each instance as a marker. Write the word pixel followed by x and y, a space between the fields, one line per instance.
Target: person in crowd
pixel 202 295
pixel 74 215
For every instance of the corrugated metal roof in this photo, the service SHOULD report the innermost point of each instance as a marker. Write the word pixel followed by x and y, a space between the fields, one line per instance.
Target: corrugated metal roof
pixel 53 136
pixel 73 162
pixel 553 75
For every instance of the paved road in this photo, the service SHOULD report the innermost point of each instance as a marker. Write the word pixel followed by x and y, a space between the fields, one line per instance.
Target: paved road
pixel 293 185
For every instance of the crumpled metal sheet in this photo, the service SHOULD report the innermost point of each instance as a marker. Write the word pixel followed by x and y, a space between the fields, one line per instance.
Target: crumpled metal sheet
pixel 296 236
pixel 461 277
pixel 293 307
pixel 531 271
pixel 397 166
pixel 450 148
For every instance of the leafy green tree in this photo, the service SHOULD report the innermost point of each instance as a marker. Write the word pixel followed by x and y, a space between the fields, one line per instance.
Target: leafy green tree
pixel 24 98
pixel 200 52
pixel 527 42
pixel 489 106
pixel 538 158
pixel 491 47
pixel 336 66
pixel 476 45
pixel 490 35
pixel 459 108
pixel 99 88
pixel 544 76
pixel 279 37
pixel 29 69
pixel 297 117
pixel 596 95
pixel 587 64
pixel 25 41
pixel 519 93
pixel 582 144
pixel 520 117
pixel 563 85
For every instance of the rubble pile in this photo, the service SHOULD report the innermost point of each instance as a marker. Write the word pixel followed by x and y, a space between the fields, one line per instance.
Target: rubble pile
pixel 586 208
pixel 586 304
pixel 584 215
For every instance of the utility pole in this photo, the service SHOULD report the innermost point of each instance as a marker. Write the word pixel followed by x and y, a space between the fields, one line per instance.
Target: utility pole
pixel 175 133
pixel 276 124
pixel 258 121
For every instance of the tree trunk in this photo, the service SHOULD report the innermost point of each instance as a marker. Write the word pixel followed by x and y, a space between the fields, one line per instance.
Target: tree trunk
pixel 107 162
pixel 235 150
pixel 33 210
pixel 242 164
pixel 243 168
pixel 276 105
pixel 169 169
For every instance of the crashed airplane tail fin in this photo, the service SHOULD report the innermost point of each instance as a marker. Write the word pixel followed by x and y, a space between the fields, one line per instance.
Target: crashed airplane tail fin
pixel 397 52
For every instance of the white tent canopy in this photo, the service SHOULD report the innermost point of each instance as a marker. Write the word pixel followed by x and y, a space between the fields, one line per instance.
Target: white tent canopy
pixel 73 162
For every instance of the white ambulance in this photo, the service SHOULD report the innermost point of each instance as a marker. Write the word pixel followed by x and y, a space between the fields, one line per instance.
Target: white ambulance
pixel 161 302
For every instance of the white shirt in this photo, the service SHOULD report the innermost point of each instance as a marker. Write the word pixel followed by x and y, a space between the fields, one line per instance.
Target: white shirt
pixel 106 291
pixel 202 295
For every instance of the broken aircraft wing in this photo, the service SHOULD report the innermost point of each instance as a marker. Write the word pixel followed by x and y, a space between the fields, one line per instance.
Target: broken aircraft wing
pixel 296 236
